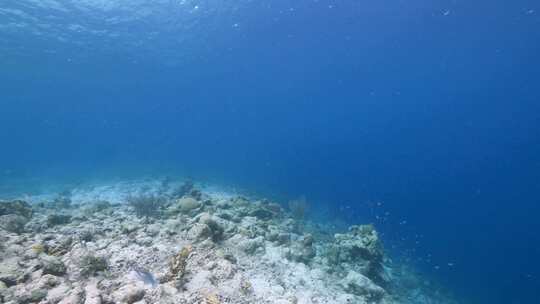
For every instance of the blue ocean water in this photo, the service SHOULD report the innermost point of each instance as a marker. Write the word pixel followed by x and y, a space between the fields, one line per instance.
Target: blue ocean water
pixel 420 116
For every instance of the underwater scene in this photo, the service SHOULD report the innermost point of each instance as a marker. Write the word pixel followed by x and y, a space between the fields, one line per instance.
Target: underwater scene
pixel 269 151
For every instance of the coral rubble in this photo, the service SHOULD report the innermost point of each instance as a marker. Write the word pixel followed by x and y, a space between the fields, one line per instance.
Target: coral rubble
pixel 185 245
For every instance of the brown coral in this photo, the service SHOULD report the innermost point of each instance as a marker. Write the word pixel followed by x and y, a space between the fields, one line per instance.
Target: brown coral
pixel 177 266
pixel 212 299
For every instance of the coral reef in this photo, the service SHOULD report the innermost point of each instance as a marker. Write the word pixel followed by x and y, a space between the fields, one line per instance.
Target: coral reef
pixel 190 246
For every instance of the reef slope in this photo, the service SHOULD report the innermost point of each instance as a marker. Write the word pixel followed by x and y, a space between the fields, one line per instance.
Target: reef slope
pixel 155 242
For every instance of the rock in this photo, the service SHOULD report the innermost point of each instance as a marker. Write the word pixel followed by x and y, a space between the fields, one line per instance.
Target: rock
pixel 33 296
pixel 213 223
pixel 86 235
pixel 251 246
pixel 361 247
pixel 58 293
pixel 10 272
pixel 145 241
pixel 199 232
pixel 53 265
pixel 302 250
pixel 93 296
pixel 48 281
pixel 153 230
pixel 17 207
pixel 75 297
pixel 262 213
pixel 361 242
pixel 128 228
pixel 90 265
pixel 284 238
pixel 3 290
pixel 240 201
pixel 361 285
pixel 206 227
pixel 37 295
pixel 128 294
pixel 227 255
pixel 251 227
pixel 13 223
pixel 245 287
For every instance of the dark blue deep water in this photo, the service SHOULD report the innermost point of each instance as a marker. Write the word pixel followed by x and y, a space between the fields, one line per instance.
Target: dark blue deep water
pixel 420 116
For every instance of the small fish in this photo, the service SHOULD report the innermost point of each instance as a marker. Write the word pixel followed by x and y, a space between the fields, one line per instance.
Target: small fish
pixel 145 276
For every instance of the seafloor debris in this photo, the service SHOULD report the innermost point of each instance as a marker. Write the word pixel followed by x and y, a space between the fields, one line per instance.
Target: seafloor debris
pixel 204 247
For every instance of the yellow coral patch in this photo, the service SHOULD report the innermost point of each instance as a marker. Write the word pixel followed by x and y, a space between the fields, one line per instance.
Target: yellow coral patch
pixel 38 248
pixel 211 299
